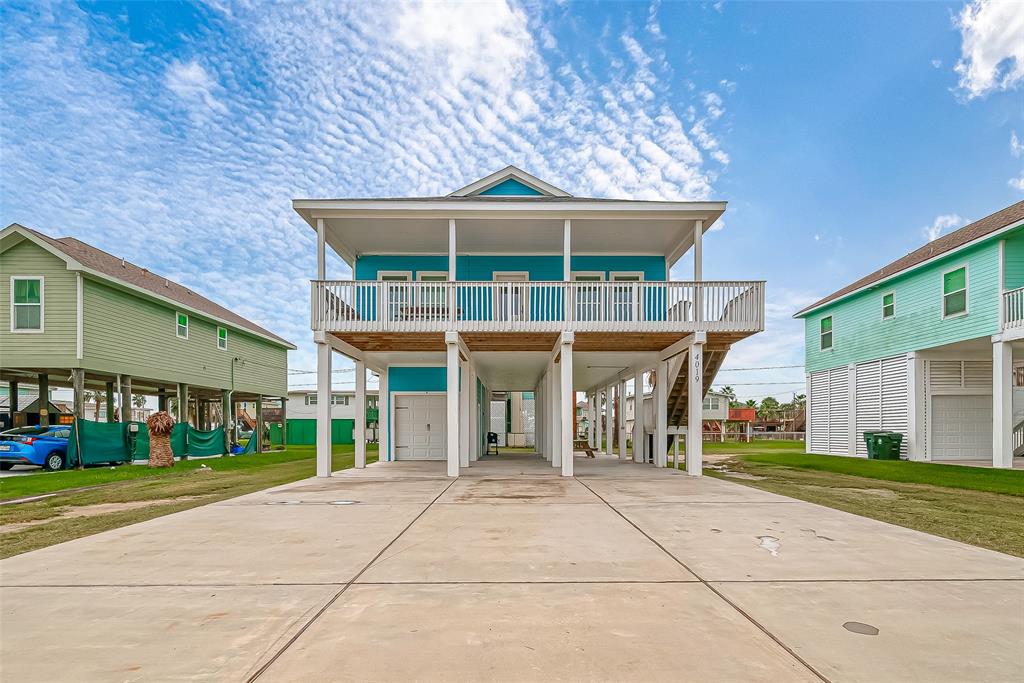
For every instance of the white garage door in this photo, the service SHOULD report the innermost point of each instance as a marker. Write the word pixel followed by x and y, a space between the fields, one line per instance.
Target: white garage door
pixel 961 427
pixel 420 427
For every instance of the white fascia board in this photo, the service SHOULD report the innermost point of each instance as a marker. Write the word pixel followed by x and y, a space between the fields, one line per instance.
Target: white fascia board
pixel 910 269
pixel 311 209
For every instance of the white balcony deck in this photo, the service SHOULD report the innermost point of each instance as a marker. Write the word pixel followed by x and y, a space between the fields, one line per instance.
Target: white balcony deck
pixel 1013 309
pixel 376 306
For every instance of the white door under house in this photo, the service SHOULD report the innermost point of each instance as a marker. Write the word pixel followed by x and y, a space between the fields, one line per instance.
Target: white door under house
pixel 420 426
pixel 961 427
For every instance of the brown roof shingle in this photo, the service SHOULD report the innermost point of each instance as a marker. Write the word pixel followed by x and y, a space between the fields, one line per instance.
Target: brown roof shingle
pixel 127 272
pixel 946 243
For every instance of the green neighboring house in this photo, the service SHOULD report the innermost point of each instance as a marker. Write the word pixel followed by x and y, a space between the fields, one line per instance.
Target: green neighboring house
pixel 74 316
pixel 929 346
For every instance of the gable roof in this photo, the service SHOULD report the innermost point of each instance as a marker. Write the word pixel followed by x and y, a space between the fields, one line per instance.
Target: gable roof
pixel 934 249
pixel 82 256
pixel 510 181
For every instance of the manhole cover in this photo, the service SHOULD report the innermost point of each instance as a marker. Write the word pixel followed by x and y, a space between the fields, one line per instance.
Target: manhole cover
pixel 863 629
pixel 344 502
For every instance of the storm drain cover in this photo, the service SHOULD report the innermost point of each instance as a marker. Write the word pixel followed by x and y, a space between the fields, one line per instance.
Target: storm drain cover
pixel 344 502
pixel 863 629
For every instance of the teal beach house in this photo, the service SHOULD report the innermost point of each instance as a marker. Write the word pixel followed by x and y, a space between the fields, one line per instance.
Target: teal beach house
pixel 928 346
pixel 510 284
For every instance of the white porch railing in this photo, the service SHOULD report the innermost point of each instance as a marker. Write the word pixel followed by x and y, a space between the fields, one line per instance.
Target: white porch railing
pixel 389 306
pixel 1013 308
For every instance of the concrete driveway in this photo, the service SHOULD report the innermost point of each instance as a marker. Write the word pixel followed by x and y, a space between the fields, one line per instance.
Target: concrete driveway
pixel 511 573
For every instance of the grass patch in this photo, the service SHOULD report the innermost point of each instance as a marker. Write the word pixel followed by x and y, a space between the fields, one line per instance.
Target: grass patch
pixel 979 506
pixel 173 490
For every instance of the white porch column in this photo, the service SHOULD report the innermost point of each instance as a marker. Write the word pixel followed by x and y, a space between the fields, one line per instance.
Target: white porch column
pixel 451 249
pixel 915 408
pixel 638 416
pixel 383 417
pixel 556 415
pixel 609 446
pixel 452 401
pixel 695 404
pixel 698 270
pixel 1002 404
pixel 465 416
pixel 473 415
pixel 321 250
pixel 360 430
pixel 621 410
pixel 568 403
pixel 592 420
pixel 661 416
pixel 323 410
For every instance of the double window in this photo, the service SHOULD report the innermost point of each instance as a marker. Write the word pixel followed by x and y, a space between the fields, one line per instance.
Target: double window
pixel 826 333
pixel 888 306
pixel 954 292
pixel 181 329
pixel 26 304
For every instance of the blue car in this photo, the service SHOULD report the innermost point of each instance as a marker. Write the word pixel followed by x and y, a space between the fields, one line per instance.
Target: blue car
pixel 43 446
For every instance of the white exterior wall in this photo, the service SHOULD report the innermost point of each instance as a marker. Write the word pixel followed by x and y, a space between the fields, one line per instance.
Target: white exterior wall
pixel 298 410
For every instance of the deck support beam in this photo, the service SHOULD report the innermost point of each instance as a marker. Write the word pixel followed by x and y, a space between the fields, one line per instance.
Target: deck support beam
pixel 1002 404
pixel 227 418
pixel 555 410
pixel 44 400
pixel 638 416
pixel 620 418
pixel 608 400
pixel 383 417
pixel 360 426
pixel 464 413
pixel 568 407
pixel 451 339
pixel 661 416
pixel 78 387
pixel 323 410
pixel 694 409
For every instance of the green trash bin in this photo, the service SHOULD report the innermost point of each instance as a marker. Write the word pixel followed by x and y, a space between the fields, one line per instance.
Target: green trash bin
pixel 889 445
pixel 873 442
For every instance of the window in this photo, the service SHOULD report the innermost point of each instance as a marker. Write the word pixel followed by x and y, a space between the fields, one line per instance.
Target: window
pixel 310 399
pixel 222 338
pixel 432 296
pixel 888 305
pixel 26 304
pixel 711 403
pixel 826 333
pixel 339 400
pixel 954 292
pixel 182 330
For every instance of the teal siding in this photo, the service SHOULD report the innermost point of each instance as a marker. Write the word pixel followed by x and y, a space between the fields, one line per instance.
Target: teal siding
pixel 479 268
pixel 512 188
pixel 1013 260
pixel 860 334
pixel 418 379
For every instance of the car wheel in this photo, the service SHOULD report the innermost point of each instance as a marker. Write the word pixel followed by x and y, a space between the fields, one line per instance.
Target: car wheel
pixel 54 461
pixel 4 466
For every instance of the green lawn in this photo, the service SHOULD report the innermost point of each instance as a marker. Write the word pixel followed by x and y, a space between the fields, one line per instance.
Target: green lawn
pixel 975 505
pixel 98 499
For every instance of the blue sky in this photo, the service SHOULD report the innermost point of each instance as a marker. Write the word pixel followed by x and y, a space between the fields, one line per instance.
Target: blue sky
pixel 843 135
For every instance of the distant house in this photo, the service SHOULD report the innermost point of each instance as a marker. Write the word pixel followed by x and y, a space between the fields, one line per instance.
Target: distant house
pixel 74 316
pixel 301 411
pixel 928 346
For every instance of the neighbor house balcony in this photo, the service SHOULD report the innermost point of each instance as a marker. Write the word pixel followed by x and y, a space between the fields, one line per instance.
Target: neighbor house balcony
pixel 534 306
pixel 1013 309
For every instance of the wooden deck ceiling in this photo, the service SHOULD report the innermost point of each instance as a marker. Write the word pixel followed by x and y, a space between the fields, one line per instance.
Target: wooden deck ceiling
pixel 530 341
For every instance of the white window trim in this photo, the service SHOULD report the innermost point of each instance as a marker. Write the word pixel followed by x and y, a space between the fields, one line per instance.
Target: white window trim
pixel 628 273
pixel 381 274
pixel 518 273
pixel 885 294
pixel 967 291
pixel 42 303
pixel 225 347
pixel 832 331
pixel 176 326
pixel 431 273
pixel 599 274
pixel 310 399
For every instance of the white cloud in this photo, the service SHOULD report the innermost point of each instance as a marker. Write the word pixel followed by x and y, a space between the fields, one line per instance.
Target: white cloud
pixel 936 63
pixel 1017 183
pixel 191 82
pixel 992 47
pixel 942 224
pixel 1015 145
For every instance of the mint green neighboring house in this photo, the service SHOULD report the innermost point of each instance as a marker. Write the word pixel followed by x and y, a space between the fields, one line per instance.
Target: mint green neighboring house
pixel 74 316
pixel 929 346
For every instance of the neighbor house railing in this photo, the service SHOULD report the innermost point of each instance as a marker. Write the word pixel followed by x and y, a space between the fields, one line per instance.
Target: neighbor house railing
pixel 394 306
pixel 1013 308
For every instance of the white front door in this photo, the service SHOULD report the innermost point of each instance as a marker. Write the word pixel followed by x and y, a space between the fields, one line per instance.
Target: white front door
pixel 511 302
pixel 961 427
pixel 420 426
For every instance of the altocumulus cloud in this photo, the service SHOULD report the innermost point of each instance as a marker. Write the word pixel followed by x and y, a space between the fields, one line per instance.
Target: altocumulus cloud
pixel 184 156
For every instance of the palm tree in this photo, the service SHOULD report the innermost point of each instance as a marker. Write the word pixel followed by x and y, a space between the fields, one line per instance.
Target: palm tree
pixel 97 396
pixel 160 425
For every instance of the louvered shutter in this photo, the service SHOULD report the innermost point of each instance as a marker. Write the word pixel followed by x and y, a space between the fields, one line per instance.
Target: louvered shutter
pixel 894 404
pixel 839 411
pixel 869 402
pixel 818 429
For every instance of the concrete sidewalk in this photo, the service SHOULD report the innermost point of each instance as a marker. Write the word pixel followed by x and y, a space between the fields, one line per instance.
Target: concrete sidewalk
pixel 512 573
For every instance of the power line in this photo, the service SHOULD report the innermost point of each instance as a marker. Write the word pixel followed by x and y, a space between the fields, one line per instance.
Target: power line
pixel 767 367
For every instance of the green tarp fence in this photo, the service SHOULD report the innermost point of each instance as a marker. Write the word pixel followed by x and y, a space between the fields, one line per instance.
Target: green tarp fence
pixel 97 442
pixel 250 447
pixel 103 442
pixel 205 443
pixel 275 434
